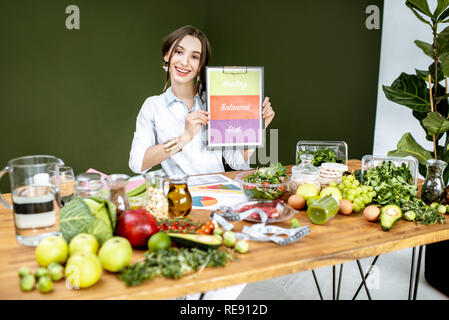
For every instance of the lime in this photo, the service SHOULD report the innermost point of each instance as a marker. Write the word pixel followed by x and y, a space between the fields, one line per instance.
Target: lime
pixel 307 190
pixel 159 241
pixel 332 191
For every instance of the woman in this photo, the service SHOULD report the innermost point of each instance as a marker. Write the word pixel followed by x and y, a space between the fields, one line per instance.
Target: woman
pixel 170 128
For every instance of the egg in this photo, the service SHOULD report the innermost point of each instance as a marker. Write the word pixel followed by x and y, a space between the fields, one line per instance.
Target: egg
pixel 296 201
pixel 346 207
pixel 371 213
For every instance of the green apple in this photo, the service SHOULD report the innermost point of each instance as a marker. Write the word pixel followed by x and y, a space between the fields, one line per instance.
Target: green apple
pixel 52 249
pixel 83 242
pixel 115 254
pixel 83 270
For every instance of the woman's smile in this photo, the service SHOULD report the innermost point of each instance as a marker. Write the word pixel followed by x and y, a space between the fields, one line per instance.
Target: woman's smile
pixel 182 71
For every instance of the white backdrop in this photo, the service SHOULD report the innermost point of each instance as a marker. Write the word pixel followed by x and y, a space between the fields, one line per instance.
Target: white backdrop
pixel 399 54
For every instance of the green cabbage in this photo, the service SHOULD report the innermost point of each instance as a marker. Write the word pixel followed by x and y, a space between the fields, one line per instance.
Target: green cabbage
pixel 91 215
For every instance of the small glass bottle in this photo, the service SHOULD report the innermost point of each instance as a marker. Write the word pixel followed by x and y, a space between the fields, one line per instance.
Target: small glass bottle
pixel 305 172
pixel 433 186
pixel 179 197
pixel 117 192
pixel 90 185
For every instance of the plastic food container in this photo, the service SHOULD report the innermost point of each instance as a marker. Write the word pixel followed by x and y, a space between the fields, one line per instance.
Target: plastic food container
pixel 264 191
pixel 339 147
pixel 370 161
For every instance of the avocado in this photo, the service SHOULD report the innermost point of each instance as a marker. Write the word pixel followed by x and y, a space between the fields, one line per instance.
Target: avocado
pixel 202 241
pixel 389 214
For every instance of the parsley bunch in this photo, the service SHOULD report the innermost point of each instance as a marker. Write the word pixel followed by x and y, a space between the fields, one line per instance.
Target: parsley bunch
pixel 173 263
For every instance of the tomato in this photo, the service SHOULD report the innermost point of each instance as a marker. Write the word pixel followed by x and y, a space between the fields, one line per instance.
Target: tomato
pixel 210 225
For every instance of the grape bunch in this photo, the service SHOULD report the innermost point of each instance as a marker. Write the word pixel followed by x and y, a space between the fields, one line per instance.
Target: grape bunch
pixel 358 194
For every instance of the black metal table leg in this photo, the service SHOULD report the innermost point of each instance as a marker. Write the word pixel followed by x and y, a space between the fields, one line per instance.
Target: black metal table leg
pixel 418 269
pixel 365 277
pixel 339 281
pixel 412 273
pixel 317 284
pixel 333 282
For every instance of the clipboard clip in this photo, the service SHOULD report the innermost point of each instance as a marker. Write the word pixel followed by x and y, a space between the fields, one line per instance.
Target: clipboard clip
pixel 235 70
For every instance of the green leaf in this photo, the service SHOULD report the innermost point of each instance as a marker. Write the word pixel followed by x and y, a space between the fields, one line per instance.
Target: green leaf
pixel 74 217
pixel 443 42
pixel 435 123
pixel 100 230
pixel 424 74
pixel 444 60
pixel 442 6
pixel 407 146
pixel 420 5
pixel 425 47
pixel 410 91
pixel 443 16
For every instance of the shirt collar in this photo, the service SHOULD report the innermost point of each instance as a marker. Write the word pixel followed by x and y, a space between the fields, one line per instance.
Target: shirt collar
pixel 170 97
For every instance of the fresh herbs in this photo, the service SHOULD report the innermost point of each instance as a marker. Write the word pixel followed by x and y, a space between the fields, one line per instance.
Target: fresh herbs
pixel 173 263
pixel 423 213
pixel 320 156
pixel 393 184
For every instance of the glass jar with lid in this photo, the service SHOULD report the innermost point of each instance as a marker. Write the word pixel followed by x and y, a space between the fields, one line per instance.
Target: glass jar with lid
pixel 156 202
pixel 90 185
pixel 305 172
pixel 117 192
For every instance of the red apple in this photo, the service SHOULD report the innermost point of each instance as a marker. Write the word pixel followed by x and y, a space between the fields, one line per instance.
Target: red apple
pixel 137 226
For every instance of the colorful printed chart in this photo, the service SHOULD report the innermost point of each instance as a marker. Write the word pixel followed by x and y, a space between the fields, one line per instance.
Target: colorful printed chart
pixel 203 201
pixel 234 100
pixel 230 187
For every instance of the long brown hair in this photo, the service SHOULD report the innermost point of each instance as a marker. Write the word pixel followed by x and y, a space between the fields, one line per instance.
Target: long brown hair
pixel 173 39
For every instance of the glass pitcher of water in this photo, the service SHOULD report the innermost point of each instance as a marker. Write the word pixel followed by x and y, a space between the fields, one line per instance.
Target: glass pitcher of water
pixel 34 197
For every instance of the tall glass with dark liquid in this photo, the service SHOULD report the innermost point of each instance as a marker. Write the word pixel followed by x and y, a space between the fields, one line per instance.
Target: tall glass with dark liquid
pixel 34 198
pixel 179 197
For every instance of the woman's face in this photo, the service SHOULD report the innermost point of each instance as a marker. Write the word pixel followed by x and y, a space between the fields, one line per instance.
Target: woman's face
pixel 185 61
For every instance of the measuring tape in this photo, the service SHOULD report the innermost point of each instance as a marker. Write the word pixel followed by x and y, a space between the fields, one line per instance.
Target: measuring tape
pixel 260 231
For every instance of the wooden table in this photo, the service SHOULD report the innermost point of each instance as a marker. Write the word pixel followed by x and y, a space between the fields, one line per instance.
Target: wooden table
pixel 343 239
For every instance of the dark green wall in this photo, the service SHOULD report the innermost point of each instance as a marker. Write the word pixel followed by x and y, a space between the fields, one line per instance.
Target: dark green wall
pixel 76 93
pixel 320 63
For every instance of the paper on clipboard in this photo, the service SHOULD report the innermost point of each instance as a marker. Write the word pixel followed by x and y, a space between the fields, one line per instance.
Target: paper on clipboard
pixel 234 100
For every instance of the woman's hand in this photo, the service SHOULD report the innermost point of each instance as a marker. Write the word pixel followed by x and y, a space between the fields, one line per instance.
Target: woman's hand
pixel 267 111
pixel 193 123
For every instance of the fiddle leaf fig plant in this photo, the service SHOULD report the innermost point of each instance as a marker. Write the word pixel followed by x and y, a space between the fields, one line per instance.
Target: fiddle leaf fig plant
pixel 426 92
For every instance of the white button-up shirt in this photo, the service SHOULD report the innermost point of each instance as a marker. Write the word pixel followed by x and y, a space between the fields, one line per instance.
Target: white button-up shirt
pixel 162 118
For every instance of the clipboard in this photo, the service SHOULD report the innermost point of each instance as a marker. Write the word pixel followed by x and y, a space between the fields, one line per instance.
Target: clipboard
pixel 234 101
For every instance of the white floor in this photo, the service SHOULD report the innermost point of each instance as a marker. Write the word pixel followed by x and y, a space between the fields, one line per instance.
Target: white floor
pixel 389 280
